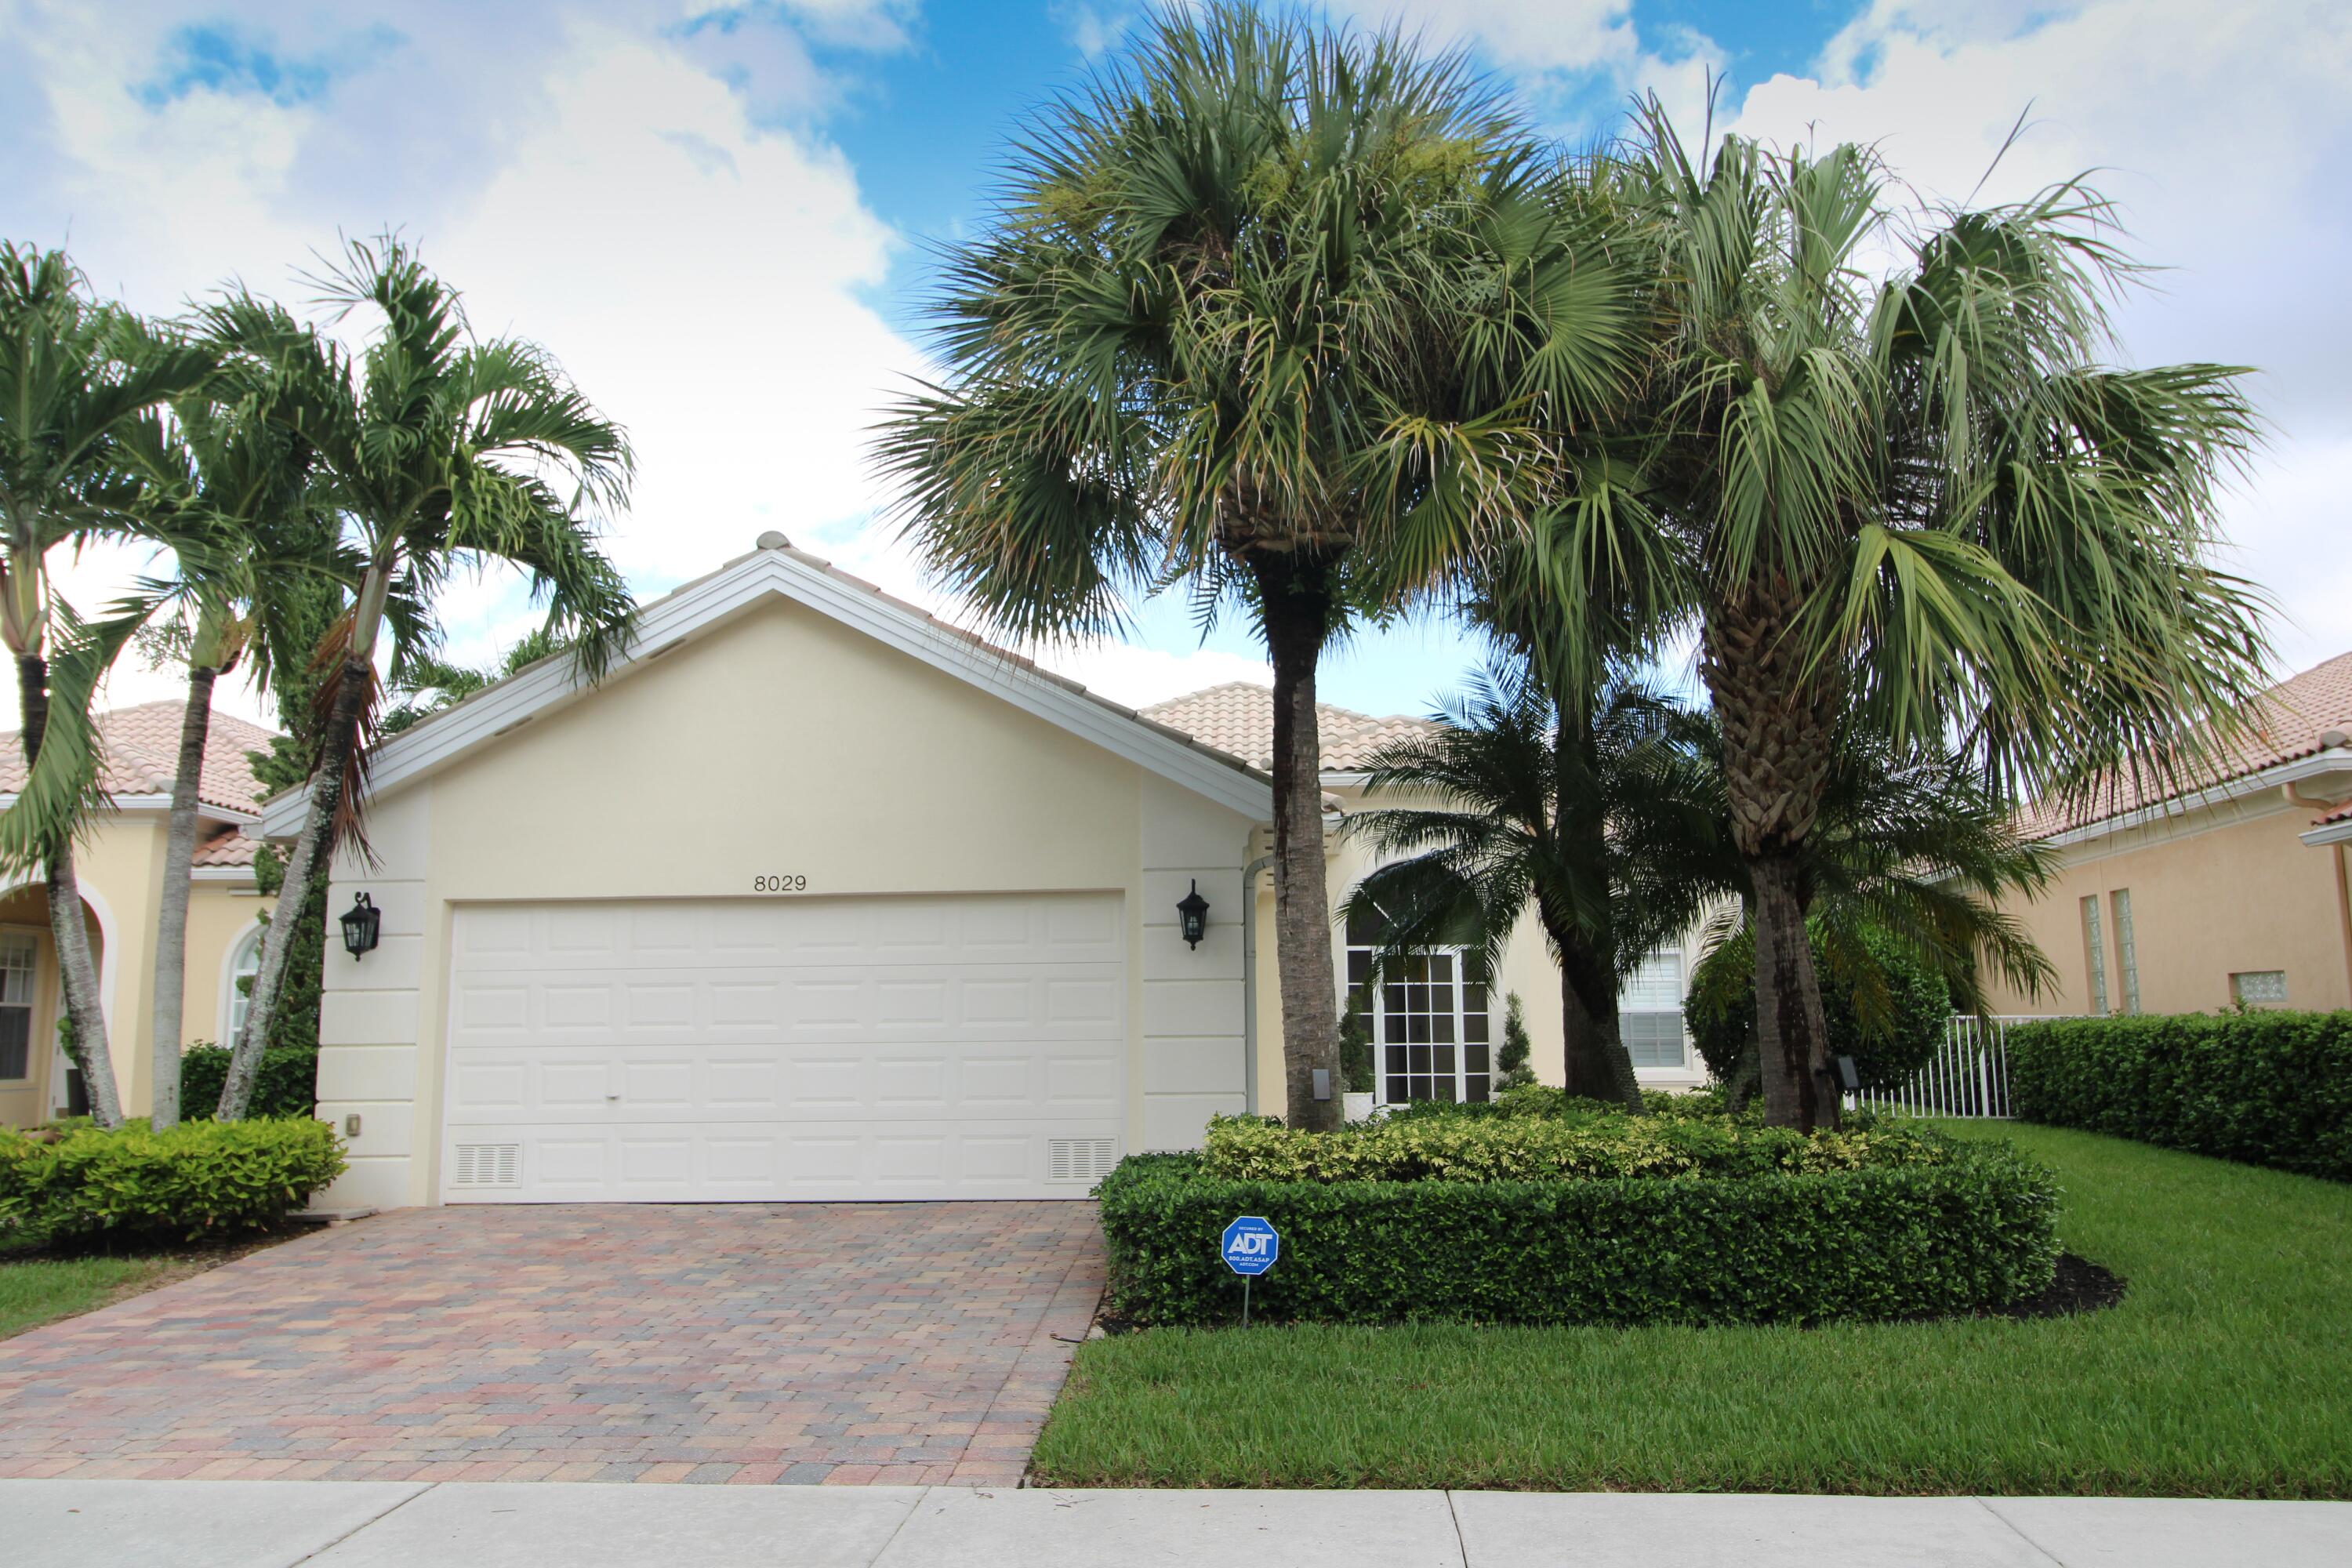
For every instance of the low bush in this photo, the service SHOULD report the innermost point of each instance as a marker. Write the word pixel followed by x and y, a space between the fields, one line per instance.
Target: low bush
pixel 1874 977
pixel 1974 1229
pixel 1546 1100
pixel 288 1084
pixel 2268 1089
pixel 1537 1148
pixel 201 1178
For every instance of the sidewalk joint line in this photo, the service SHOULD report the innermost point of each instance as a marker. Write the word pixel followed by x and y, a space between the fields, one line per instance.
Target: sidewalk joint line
pixel 922 1496
pixel 1455 1514
pixel 368 1523
pixel 2019 1531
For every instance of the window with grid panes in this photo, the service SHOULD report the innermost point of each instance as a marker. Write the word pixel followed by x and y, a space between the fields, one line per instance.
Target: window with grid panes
pixel 1650 1011
pixel 16 956
pixel 1430 1028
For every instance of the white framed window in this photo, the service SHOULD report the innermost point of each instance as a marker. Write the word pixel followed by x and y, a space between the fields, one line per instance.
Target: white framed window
pixel 19 953
pixel 1431 1030
pixel 2094 955
pixel 2258 987
pixel 243 964
pixel 1650 1011
pixel 2127 949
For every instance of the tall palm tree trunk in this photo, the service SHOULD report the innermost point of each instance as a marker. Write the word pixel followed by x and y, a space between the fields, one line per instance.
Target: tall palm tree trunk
pixel 76 970
pixel 1778 719
pixel 1296 597
pixel 1592 1040
pixel 172 923
pixel 311 848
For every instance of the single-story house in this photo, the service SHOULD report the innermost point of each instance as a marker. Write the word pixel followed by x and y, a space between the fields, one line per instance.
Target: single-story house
pixel 119 865
pixel 2187 901
pixel 815 896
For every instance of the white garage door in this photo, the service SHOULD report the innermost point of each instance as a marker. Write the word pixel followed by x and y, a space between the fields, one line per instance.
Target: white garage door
pixel 785 1048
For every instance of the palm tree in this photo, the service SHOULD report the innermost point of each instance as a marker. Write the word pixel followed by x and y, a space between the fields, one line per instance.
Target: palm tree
pixel 76 376
pixel 231 495
pixel 1271 310
pixel 1918 501
pixel 428 684
pixel 434 452
pixel 1514 821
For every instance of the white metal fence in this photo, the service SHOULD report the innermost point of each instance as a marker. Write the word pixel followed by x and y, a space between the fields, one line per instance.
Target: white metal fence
pixel 1969 1074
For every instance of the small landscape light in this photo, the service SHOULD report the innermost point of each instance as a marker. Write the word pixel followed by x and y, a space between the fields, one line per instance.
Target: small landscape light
pixel 360 923
pixel 1841 1071
pixel 1193 915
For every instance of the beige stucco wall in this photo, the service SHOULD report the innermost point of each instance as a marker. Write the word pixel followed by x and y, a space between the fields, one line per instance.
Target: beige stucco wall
pixel 1527 968
pixel 2213 893
pixel 219 914
pixel 778 741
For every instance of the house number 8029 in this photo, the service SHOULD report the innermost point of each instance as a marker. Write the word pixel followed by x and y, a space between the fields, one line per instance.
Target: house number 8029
pixel 787 883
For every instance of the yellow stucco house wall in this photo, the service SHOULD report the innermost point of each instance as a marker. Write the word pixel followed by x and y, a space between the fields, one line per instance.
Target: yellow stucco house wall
pixel 119 865
pixel 2233 891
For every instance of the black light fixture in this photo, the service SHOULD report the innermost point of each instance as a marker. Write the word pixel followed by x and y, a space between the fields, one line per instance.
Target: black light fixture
pixel 360 923
pixel 1841 1074
pixel 1193 915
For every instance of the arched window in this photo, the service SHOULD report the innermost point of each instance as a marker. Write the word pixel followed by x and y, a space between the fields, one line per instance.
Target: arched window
pixel 243 964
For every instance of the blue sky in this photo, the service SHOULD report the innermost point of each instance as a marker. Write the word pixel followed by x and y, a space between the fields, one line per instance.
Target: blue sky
pixel 718 215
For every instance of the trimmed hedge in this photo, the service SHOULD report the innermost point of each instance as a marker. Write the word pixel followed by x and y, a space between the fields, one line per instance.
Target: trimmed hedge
pixel 1538 1148
pixel 288 1084
pixel 200 1178
pixel 1977 1229
pixel 2267 1089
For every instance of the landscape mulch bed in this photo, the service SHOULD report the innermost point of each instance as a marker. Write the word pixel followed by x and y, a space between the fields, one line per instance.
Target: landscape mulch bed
pixel 2081 1286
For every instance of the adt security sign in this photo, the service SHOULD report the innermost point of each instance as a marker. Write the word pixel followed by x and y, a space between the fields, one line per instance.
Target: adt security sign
pixel 1251 1246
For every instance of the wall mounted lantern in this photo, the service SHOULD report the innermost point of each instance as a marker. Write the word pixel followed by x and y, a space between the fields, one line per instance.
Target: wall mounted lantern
pixel 1193 915
pixel 360 923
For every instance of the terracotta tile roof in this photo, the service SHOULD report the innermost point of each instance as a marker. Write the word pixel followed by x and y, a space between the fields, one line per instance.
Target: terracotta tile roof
pixel 2292 720
pixel 142 754
pixel 1238 718
pixel 229 847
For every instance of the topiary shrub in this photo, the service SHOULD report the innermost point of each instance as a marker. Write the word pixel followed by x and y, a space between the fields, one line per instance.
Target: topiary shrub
pixel 2268 1089
pixel 201 1178
pixel 288 1084
pixel 1511 1062
pixel 1915 1012
pixel 1975 1230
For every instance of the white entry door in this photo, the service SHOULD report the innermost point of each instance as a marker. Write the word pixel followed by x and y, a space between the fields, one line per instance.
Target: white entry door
pixel 785 1048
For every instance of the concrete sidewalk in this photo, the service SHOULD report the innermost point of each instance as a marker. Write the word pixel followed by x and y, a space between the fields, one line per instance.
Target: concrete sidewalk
pixel 333 1524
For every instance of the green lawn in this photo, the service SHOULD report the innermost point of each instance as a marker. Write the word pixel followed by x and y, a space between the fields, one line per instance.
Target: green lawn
pixel 2227 1371
pixel 37 1291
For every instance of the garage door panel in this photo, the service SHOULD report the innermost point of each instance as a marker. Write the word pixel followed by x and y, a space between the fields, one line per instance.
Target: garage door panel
pixel 785 1048
pixel 679 1162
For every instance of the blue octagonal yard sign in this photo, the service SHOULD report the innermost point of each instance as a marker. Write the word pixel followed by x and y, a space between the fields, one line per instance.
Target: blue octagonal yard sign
pixel 1251 1245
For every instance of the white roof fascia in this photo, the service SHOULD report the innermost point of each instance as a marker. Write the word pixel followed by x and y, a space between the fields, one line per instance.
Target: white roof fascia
pixel 669 622
pixel 2333 833
pixel 220 873
pixel 2334 760
pixel 154 802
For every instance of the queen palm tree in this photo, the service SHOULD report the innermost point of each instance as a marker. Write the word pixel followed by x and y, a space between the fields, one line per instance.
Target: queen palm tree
pixel 232 494
pixel 1920 500
pixel 434 452
pixel 1527 807
pixel 1274 310
pixel 76 377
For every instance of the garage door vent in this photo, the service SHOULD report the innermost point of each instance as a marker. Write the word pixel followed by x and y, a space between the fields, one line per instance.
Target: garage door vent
pixel 488 1165
pixel 1080 1159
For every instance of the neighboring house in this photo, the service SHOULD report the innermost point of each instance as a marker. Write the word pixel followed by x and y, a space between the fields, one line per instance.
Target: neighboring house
pixel 119 865
pixel 814 896
pixel 2191 901
pixel 1438 1039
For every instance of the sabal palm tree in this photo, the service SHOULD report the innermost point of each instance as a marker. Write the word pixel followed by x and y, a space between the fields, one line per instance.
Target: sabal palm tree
pixel 1511 821
pixel 232 494
pixel 434 452
pixel 1909 842
pixel 1273 310
pixel 1918 500
pixel 76 376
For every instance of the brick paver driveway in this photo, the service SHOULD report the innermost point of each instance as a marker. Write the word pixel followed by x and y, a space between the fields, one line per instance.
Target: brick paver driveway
pixel 840 1342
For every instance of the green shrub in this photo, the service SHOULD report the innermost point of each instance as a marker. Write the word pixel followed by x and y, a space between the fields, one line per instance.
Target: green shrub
pixel 1543 1099
pixel 1538 1148
pixel 288 1084
pixel 1914 1011
pixel 1975 1230
pixel 1511 1060
pixel 1355 1050
pixel 200 1178
pixel 2268 1089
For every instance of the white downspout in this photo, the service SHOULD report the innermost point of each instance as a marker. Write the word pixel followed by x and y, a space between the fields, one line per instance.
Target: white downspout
pixel 1249 981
